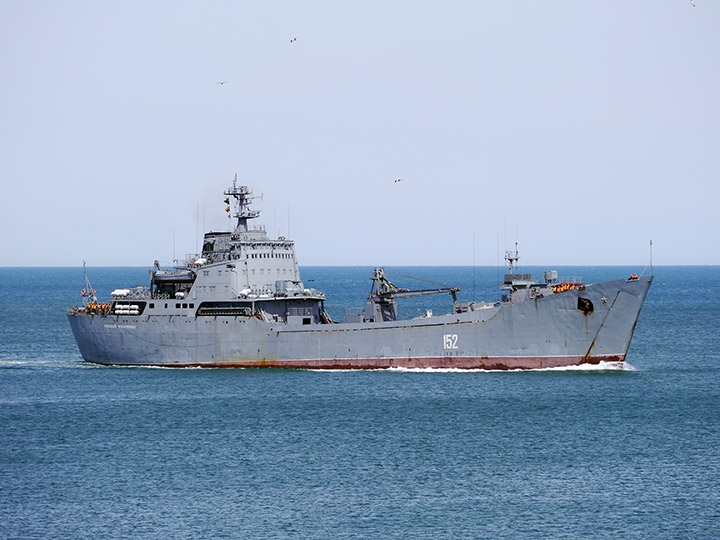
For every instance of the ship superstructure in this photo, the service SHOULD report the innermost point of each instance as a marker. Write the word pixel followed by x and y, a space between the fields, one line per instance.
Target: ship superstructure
pixel 241 303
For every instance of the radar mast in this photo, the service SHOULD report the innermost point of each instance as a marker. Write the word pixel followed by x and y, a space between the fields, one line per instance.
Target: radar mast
pixel 511 258
pixel 242 198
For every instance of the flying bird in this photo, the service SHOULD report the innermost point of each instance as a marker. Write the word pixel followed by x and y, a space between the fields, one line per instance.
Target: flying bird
pixel 692 3
pixel 222 82
pixel 293 39
pixel 398 180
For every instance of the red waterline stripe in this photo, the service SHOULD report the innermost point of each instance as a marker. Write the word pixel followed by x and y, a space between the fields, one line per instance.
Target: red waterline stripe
pixel 468 362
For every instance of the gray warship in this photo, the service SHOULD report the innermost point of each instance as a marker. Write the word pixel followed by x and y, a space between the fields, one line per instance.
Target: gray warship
pixel 242 303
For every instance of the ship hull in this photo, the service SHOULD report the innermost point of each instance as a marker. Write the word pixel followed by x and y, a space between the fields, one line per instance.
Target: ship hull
pixel 552 331
pixel 465 363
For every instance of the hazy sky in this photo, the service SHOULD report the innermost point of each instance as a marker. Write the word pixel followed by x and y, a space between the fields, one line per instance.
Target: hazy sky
pixel 583 129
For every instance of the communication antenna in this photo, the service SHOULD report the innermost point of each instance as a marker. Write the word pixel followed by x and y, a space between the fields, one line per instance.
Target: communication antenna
pixel 497 250
pixel 651 266
pixel 474 297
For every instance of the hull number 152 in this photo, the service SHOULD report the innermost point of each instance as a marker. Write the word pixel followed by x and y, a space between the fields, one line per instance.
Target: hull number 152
pixel 450 341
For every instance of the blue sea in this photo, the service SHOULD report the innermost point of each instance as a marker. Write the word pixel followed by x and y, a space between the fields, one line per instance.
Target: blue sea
pixel 609 453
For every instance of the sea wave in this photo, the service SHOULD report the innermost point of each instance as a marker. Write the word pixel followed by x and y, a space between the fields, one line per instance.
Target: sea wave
pixel 600 367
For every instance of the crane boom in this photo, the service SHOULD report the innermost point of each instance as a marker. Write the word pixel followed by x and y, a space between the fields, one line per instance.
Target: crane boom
pixel 421 292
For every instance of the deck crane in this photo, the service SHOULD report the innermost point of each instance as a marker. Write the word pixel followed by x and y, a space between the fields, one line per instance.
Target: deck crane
pixel 381 305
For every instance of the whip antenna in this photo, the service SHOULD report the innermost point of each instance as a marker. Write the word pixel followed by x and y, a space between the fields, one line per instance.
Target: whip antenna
pixel 651 266
pixel 474 297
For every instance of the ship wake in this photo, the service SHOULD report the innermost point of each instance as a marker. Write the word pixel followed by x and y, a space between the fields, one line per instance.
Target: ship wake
pixel 599 367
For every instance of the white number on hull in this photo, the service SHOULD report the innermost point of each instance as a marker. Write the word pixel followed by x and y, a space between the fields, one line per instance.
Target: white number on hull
pixel 450 341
